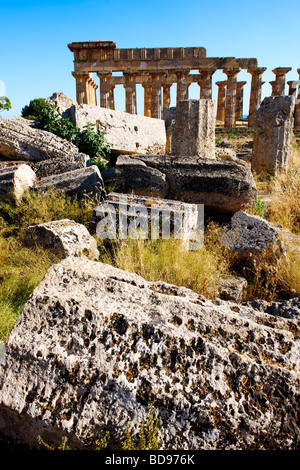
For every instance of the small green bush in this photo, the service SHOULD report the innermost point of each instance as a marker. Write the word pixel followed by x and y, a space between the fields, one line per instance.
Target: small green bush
pixel 34 108
pixel 90 141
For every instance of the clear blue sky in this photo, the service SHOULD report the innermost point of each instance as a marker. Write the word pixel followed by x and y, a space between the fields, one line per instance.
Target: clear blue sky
pixel 35 60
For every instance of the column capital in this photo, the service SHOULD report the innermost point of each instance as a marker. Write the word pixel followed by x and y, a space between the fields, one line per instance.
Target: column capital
pixel 222 84
pixel 207 70
pixel 231 71
pixel 257 70
pixel 281 70
pixel 241 84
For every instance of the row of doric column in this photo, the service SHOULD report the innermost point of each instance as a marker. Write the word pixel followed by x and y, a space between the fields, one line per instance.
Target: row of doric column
pixel 157 87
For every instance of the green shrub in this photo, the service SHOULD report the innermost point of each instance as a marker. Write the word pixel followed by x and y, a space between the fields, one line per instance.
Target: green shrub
pixel 92 142
pixel 5 103
pixel 34 108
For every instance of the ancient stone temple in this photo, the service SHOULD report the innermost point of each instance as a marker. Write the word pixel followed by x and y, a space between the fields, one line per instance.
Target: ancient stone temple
pixel 157 69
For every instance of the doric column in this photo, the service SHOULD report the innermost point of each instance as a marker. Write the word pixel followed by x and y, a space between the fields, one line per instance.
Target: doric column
pixel 130 92
pixel 105 89
pixel 182 86
pixel 112 96
pixel 280 73
pixel 272 83
pixel 156 95
pixel 92 87
pixel 82 87
pixel 239 100
pixel 166 95
pixel 147 100
pixel 221 100
pixel 297 107
pixel 206 83
pixel 255 93
pixel 230 108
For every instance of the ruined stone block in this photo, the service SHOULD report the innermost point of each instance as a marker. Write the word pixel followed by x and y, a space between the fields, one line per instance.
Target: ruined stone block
pixel 128 133
pixel 80 183
pixel 14 180
pixel 125 216
pixel 194 129
pixel 273 135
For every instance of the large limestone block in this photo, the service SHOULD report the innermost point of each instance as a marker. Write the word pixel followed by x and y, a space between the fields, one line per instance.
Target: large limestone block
pixel 95 346
pixel 273 135
pixel 222 186
pixel 128 133
pixel 64 238
pixel 126 215
pixel 80 183
pixel 19 141
pixel 250 235
pixel 194 128
pixel 14 180
pixel 56 166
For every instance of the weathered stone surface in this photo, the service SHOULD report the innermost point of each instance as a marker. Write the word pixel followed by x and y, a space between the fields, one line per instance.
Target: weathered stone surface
pixel 232 288
pixel 80 183
pixel 136 176
pixel 128 133
pixel 64 238
pixel 126 215
pixel 95 346
pixel 222 186
pixel 194 128
pixel 63 104
pixel 56 166
pixel 273 135
pixel 250 235
pixel 20 141
pixel 14 180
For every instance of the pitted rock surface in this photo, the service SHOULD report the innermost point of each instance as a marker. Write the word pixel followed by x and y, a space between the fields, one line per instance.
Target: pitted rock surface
pixel 95 346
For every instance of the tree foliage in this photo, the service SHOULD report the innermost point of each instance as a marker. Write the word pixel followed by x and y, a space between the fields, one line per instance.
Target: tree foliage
pixel 5 104
pixel 90 141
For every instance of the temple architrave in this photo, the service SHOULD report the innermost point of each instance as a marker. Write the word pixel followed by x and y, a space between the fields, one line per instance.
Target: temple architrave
pixel 157 69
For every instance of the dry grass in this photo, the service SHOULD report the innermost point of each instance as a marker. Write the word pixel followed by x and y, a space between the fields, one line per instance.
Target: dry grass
pixel 22 267
pixel 169 261
pixel 285 194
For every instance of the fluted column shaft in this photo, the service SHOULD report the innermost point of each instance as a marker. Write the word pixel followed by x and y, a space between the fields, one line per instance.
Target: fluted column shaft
pixel 240 100
pixel 130 92
pixel 221 100
pixel 230 109
pixel 166 95
pixel 156 95
pixel 255 94
pixel 82 87
pixel 105 84
pixel 147 100
pixel 182 86
pixel 206 83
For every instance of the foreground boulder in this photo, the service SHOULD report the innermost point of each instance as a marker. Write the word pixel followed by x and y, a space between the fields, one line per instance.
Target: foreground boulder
pixel 19 141
pixel 249 235
pixel 222 186
pixel 128 133
pixel 63 238
pixel 83 182
pixel 14 180
pixel 273 135
pixel 95 346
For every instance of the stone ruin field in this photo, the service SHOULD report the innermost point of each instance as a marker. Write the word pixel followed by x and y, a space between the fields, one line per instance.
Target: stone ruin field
pixel 100 333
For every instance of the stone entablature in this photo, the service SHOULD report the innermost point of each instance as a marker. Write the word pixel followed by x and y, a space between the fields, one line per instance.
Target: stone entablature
pixel 157 69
